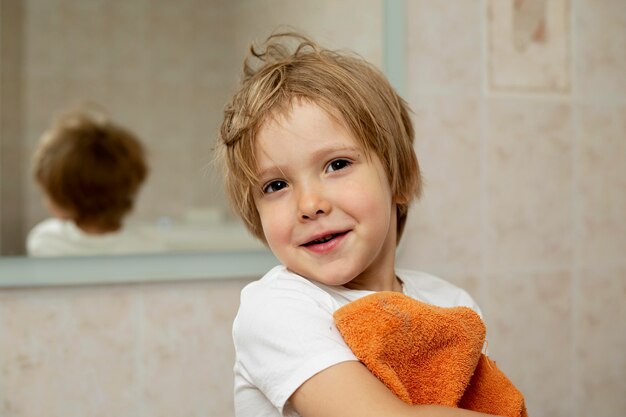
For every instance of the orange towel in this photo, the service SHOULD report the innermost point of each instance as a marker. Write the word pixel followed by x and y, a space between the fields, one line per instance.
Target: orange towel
pixel 427 354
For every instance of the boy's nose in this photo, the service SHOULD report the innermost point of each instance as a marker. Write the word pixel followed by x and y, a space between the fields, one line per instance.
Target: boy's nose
pixel 311 205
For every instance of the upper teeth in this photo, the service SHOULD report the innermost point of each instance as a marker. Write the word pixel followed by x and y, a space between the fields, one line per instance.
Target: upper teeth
pixel 323 239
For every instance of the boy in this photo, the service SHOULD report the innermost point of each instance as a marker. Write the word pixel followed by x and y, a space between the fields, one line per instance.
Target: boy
pixel 90 171
pixel 320 165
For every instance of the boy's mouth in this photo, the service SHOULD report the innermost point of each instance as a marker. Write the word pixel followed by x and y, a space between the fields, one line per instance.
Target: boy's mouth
pixel 325 238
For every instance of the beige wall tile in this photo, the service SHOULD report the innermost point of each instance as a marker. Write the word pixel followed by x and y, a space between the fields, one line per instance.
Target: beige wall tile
pixel 601 342
pixel 68 352
pixel 331 23
pixel 528 46
pixel 43 55
pixel 528 320
pixel 153 350
pixel 601 187
pixel 444 43
pixel 601 40
pixel 529 184
pixel 443 228
pixel 188 352
pixel 128 109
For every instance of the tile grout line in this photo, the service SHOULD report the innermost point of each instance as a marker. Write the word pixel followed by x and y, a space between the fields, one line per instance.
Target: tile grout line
pixel 140 351
pixel 484 292
pixel 576 234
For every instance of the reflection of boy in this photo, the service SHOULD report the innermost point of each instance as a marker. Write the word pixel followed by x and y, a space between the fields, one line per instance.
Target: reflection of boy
pixel 320 165
pixel 90 171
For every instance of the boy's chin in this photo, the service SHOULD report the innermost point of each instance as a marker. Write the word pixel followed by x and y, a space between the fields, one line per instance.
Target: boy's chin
pixel 331 279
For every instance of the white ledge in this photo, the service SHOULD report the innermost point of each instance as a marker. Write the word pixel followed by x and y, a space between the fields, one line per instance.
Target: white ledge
pixel 20 272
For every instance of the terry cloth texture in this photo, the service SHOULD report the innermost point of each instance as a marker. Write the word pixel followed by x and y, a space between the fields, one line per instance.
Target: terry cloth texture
pixel 427 354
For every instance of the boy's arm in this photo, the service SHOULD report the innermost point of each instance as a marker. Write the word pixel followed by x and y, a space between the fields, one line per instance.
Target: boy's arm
pixel 350 389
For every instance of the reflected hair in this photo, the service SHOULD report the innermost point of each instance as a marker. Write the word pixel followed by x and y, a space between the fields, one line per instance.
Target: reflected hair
pixel 288 67
pixel 90 168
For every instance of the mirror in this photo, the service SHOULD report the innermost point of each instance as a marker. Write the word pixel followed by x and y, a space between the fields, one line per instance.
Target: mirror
pixel 161 69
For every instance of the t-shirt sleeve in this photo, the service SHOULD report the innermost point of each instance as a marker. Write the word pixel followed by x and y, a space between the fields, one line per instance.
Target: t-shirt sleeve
pixel 284 336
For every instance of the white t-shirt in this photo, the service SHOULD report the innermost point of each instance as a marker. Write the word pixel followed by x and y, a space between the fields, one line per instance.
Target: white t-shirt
pixel 284 333
pixel 55 237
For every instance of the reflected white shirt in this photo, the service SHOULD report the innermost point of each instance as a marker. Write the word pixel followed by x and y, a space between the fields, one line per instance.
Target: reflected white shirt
pixel 55 237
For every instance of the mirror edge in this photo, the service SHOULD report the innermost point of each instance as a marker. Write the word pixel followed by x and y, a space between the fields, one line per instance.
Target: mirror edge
pixel 21 272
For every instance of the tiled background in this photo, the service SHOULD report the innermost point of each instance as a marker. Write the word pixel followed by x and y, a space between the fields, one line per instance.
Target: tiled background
pixel 524 202
pixel 155 350
pixel 525 194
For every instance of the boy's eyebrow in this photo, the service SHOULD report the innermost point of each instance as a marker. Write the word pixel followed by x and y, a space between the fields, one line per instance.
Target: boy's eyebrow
pixel 314 155
pixel 320 153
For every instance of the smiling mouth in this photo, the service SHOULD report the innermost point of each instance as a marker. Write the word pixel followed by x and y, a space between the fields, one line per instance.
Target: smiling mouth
pixel 324 239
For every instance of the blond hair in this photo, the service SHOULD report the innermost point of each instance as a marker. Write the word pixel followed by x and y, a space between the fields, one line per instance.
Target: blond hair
pixel 344 85
pixel 90 168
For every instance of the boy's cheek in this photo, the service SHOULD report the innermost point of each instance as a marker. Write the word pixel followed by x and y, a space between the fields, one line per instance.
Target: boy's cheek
pixel 275 228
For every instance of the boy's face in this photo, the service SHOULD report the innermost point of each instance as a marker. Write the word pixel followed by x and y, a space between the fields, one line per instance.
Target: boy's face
pixel 327 210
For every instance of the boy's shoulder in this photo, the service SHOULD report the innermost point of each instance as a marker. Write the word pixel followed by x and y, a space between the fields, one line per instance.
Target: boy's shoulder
pixel 424 280
pixel 431 289
pixel 50 227
pixel 281 299
pixel 49 237
pixel 279 282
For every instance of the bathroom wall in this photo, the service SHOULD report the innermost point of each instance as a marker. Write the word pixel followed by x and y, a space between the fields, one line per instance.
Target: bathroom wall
pixel 521 133
pixel 523 206
pixel 120 350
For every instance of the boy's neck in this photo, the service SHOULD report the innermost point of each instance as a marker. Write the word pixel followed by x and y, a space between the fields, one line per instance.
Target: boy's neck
pixel 392 284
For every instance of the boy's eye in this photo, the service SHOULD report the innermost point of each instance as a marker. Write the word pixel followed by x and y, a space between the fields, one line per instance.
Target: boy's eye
pixel 274 186
pixel 337 164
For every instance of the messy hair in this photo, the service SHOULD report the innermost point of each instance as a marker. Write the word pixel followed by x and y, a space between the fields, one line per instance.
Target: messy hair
pixel 290 67
pixel 90 168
